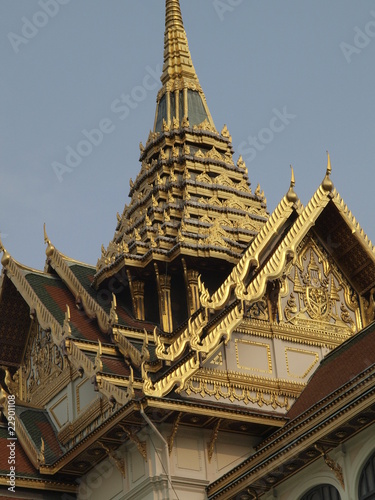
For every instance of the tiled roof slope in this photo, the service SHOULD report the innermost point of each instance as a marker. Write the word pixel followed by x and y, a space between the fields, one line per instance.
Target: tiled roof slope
pixel 38 425
pixel 24 466
pixel 85 275
pixel 339 367
pixel 56 296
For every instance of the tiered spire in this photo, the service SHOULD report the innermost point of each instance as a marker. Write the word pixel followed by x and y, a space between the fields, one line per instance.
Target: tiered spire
pixel 190 197
pixel 181 98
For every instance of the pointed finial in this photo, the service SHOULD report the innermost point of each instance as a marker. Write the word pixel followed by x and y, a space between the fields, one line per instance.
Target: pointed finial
pixel 327 184
pixel 291 195
pixel 113 317
pixel 292 180
pixel 66 325
pixel 50 248
pixel 41 457
pixel 329 168
pixel 98 359
pixel 6 257
pixel 46 239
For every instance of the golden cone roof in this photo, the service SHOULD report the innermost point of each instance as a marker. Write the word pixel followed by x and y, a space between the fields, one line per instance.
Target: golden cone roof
pixel 190 197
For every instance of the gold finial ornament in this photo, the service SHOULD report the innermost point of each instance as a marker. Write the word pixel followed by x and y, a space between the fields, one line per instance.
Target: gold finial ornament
pixel 50 248
pixel 327 184
pixel 66 325
pixel 292 195
pixel 6 257
pixel 46 239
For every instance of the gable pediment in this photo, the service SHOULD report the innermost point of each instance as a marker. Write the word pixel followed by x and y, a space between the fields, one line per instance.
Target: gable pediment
pixel 346 241
pixel 315 293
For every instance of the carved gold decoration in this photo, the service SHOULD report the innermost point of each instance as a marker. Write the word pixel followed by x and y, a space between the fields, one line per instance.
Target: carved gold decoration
pixel 316 291
pixel 225 133
pixel 145 353
pixel 66 325
pixel 126 348
pixel 174 431
pixel 205 125
pixel 11 383
pixel 217 360
pixel 176 377
pixel 98 359
pixel 204 178
pixel 119 462
pixel 211 443
pixel 334 466
pixel 141 445
pixel 41 457
pixel 113 317
pixel 43 362
pixel 239 392
pixel 259 192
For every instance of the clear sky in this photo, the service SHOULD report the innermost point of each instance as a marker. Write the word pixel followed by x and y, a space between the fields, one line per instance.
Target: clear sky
pixel 66 63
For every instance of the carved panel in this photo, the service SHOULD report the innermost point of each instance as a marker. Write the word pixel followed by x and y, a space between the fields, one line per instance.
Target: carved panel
pixel 315 291
pixel 253 356
pixel 43 363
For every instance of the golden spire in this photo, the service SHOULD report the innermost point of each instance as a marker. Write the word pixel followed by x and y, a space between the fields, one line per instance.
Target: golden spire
pixel 177 58
pixel 327 184
pixel 181 100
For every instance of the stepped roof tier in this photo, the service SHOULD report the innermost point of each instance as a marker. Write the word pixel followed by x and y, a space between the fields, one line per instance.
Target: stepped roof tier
pixel 190 198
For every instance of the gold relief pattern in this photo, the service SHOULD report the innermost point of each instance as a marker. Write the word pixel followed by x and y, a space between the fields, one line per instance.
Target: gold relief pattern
pixel 315 291
pixel 259 310
pixel 257 354
pixel 217 360
pixel 204 177
pixel 44 362
pixel 245 395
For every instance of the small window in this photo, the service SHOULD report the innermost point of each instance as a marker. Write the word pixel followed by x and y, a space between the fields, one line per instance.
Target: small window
pixel 366 489
pixel 322 492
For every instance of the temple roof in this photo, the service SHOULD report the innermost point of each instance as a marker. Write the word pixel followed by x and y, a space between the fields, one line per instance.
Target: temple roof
pixel 190 198
pixel 191 203
pixel 346 362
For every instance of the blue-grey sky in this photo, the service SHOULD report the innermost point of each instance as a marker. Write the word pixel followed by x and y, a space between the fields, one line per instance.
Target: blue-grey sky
pixel 66 63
